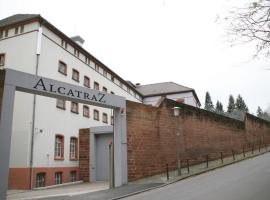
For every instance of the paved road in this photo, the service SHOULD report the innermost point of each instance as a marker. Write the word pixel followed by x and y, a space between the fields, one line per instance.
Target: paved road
pixel 247 180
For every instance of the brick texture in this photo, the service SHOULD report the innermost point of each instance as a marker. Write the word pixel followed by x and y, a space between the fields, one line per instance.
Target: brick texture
pixel 152 136
pixel 84 154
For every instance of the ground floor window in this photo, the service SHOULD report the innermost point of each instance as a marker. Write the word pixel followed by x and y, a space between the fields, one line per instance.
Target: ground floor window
pixel 58 178
pixel 40 180
pixel 73 176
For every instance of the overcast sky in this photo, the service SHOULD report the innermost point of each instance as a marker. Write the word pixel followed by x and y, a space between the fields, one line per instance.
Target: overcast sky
pixel 149 41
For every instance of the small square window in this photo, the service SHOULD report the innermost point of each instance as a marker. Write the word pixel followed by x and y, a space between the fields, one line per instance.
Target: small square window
pixel 40 180
pixel 22 29
pixel 58 178
pixel 16 30
pixel 73 176
pixel 75 75
pixel 105 118
pixel 86 81
pixel 75 107
pixel 62 68
pixel 104 89
pixel 60 103
pixel 96 85
pixel 96 115
pixel 86 112
pixel 2 59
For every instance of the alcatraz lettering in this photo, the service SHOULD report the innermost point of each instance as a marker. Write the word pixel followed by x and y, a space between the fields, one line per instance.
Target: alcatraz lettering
pixel 69 92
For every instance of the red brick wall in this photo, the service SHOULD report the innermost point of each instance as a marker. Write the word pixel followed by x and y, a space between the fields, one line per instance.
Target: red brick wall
pixel 152 136
pixel 84 154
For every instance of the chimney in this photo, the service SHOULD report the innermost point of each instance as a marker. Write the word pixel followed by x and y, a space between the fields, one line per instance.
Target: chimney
pixel 78 39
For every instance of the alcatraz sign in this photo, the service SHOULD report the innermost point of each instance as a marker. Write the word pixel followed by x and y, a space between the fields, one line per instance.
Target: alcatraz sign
pixel 61 90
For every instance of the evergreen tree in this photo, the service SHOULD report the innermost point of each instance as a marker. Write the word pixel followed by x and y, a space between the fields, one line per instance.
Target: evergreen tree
pixel 259 112
pixel 219 107
pixel 240 104
pixel 231 105
pixel 208 105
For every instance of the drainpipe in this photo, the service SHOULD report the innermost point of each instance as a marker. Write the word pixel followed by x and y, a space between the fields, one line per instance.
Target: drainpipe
pixel 38 50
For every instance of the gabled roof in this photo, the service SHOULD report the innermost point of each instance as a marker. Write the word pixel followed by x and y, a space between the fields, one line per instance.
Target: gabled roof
pixel 165 88
pixel 14 19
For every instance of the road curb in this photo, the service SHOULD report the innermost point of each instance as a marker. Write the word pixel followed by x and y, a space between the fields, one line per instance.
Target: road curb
pixel 190 176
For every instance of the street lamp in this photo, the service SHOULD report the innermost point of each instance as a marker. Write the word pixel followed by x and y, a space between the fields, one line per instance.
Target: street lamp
pixel 176 112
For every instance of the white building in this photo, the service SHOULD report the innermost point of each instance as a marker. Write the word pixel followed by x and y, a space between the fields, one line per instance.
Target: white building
pixel 153 93
pixel 44 148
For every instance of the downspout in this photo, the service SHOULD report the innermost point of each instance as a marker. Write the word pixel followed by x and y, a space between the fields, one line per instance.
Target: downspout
pixel 38 50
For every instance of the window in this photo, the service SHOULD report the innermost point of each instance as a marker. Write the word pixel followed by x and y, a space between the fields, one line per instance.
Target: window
pixel 73 176
pixel 22 29
pixel 16 30
pixel 73 150
pixel 6 33
pixel 60 103
pixel 112 78
pixel 96 85
pixel 112 120
pixel 76 52
pixel 86 60
pixel 75 75
pixel 1 34
pixel 128 89
pixel 59 147
pixel 86 112
pixel 86 81
pixel 40 180
pixel 96 115
pixel 2 59
pixel 121 84
pixel 74 107
pixel 64 44
pixel 104 89
pixel 58 178
pixel 104 73
pixel 105 118
pixel 62 68
pixel 96 67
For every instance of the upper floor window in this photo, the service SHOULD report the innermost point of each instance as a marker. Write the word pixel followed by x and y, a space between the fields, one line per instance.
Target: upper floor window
pixel 97 67
pixel 105 118
pixel 96 85
pixel 62 68
pixel 2 59
pixel 86 81
pixel 75 75
pixel 22 29
pixel 86 112
pixel 74 107
pixel 6 33
pixel 96 115
pixel 112 78
pixel 104 89
pixel 58 178
pixel 128 89
pixel 16 30
pixel 76 52
pixel 40 180
pixel 104 73
pixel 60 103
pixel 121 84
pixel 73 148
pixel 59 147
pixel 64 44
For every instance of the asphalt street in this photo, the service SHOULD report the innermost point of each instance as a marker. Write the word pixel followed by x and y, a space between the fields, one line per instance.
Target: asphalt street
pixel 246 180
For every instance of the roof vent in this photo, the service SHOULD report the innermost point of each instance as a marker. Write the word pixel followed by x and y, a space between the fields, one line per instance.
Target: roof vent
pixel 78 39
pixel 137 84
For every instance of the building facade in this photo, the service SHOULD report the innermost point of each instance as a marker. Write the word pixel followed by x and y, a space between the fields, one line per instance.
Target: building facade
pixel 44 147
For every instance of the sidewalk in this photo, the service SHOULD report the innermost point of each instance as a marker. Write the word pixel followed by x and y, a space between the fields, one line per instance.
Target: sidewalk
pixel 101 191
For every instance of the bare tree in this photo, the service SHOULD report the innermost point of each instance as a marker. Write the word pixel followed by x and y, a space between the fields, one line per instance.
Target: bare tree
pixel 251 23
